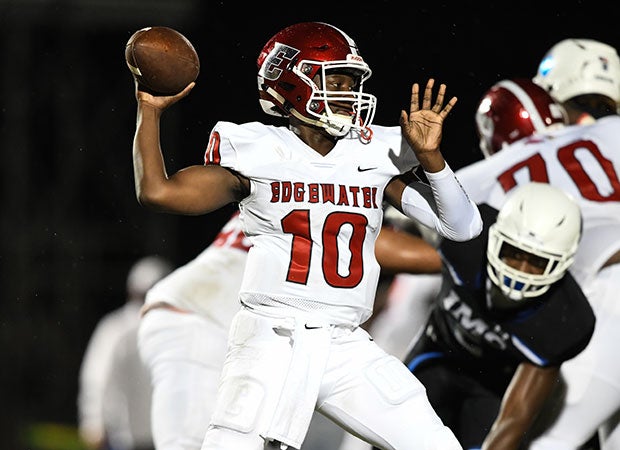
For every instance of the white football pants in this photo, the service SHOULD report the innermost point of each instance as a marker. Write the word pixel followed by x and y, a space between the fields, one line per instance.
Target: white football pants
pixel 279 369
pixel 185 354
pixel 593 376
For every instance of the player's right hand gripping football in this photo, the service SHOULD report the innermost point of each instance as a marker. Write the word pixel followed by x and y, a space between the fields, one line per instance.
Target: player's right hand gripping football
pixel 160 102
pixel 422 127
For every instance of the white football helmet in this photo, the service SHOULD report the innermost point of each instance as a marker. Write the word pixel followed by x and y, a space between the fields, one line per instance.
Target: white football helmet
pixel 539 219
pixel 575 67
pixel 288 65
pixel 145 273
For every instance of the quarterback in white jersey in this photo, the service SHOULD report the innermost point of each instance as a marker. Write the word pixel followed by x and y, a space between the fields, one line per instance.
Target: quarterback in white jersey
pixel 313 234
pixel 310 198
pixel 185 321
pixel 583 160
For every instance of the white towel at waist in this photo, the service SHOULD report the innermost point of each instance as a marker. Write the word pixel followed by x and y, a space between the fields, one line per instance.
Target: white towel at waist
pixel 300 391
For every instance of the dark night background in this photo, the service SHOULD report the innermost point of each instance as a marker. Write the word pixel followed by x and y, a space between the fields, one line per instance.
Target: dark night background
pixel 71 226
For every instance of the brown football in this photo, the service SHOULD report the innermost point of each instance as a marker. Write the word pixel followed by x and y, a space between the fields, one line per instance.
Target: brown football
pixel 162 60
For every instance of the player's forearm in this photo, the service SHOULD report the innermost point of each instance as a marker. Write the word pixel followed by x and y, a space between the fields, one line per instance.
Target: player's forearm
pixel 512 424
pixel 459 215
pixel 148 162
pixel 528 390
pixel 505 434
pixel 449 211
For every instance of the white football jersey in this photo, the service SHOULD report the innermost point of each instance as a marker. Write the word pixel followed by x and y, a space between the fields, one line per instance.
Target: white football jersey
pixel 209 284
pixel 313 246
pixel 583 160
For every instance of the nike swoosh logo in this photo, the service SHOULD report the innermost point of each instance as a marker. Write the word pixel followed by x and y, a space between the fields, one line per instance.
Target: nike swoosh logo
pixel 310 327
pixel 359 169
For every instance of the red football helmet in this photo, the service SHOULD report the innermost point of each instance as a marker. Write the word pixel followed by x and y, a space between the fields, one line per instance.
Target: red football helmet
pixel 514 109
pixel 291 78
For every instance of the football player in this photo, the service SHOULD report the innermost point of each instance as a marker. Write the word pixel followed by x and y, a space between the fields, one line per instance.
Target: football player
pixel 513 109
pixel 310 197
pixel 583 160
pixel 411 296
pixel 508 315
pixel 186 317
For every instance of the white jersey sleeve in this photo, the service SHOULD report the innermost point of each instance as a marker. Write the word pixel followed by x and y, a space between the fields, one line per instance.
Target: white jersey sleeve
pixel 312 219
pixel 443 206
pixel 209 284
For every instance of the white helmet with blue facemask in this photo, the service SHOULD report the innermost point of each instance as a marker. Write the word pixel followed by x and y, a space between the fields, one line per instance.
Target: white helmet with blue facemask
pixel 542 221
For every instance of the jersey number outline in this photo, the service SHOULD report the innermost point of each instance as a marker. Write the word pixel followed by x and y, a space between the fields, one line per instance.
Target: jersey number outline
pixel 297 223
pixel 566 156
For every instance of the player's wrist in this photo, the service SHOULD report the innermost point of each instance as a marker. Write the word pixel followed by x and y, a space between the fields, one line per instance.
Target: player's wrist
pixel 146 106
pixel 432 161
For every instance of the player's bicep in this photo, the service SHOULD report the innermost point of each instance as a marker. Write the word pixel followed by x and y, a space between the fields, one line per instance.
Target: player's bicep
pixel 394 190
pixel 202 189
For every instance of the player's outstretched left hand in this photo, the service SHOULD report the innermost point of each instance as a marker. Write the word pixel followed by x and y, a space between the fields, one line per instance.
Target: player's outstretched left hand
pixel 422 127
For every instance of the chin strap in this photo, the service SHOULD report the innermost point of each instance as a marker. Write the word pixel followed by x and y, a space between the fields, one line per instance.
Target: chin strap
pixel 365 134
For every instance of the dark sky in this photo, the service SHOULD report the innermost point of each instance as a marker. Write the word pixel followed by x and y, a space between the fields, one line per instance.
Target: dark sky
pixel 469 48
pixel 71 226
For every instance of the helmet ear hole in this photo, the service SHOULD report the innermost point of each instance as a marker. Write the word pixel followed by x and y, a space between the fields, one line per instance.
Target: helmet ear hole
pixel 286 86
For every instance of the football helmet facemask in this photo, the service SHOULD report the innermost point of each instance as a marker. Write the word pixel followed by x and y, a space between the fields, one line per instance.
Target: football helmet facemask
pixel 292 68
pixel 543 221
pixel 575 67
pixel 513 109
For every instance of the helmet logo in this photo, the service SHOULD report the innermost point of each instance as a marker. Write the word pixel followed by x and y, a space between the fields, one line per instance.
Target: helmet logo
pixel 604 62
pixel 277 61
pixel 355 58
pixel 545 66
